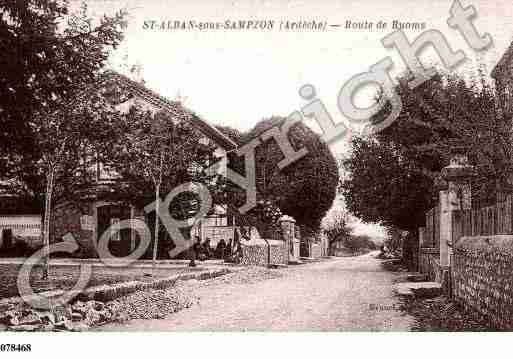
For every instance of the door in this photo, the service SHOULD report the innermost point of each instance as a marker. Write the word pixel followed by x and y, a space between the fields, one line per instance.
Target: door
pixel 108 217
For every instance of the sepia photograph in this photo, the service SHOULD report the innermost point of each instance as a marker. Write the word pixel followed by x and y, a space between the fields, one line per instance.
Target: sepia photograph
pixel 216 171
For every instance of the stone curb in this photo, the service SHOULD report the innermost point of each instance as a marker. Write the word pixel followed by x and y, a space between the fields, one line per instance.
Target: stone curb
pixel 105 293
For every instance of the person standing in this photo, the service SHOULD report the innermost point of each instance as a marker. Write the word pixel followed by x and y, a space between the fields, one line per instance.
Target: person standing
pixel 194 251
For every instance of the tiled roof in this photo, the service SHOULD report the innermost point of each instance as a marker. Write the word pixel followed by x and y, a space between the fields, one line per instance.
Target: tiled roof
pixel 175 108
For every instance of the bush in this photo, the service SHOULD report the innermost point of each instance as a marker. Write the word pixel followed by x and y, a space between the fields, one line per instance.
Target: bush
pixel 358 243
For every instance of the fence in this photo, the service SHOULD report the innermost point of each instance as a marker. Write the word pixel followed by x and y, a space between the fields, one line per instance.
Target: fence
pixel 490 220
pixel 479 249
pixel 486 221
pixel 432 232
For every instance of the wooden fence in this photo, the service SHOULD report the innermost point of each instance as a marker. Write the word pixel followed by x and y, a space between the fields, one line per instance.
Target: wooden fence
pixel 489 220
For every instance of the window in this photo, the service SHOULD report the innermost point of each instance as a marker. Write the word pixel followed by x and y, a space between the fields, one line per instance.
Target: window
pixel 115 235
pixel 217 221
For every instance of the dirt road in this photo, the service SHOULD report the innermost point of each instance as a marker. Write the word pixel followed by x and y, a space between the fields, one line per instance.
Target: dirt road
pixel 343 294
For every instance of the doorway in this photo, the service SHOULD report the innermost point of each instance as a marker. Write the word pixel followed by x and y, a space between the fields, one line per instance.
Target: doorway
pixel 109 215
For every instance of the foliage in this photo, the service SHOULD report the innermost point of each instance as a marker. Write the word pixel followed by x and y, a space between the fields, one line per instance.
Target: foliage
pixel 359 242
pixel 52 120
pixel 384 188
pixel 71 140
pixel 155 154
pixel 49 55
pixel 267 212
pixel 152 150
pixel 393 175
pixel 394 240
pixel 448 111
pixel 337 228
pixel 305 189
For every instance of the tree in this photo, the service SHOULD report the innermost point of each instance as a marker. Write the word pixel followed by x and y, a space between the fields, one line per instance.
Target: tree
pixel 48 56
pixel 393 175
pixel 158 152
pixel 305 189
pixel 382 187
pixel 337 228
pixel 71 141
pixel 357 243
pixel 448 112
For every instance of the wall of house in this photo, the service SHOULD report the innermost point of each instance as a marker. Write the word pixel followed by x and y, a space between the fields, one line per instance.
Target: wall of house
pixel 69 218
pixel 482 277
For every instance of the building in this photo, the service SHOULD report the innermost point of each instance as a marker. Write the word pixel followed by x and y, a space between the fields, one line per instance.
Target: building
pixel 20 220
pixel 23 227
pixel 97 211
pixel 502 73
pixel 99 207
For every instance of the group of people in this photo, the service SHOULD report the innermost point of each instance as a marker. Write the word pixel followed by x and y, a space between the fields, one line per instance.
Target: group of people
pixel 204 251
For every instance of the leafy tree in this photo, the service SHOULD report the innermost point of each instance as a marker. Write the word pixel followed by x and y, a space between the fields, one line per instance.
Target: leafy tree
pixel 359 242
pixel 382 187
pixel 71 141
pixel 305 189
pixel 156 152
pixel 393 175
pixel 48 56
pixel 446 112
pixel 337 228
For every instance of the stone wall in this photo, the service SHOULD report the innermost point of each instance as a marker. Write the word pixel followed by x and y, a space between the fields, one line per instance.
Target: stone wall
pixel 482 277
pixel 257 253
pixel 429 263
pixel 315 250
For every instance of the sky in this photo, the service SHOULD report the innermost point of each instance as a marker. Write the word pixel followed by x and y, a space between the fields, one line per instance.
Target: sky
pixel 237 77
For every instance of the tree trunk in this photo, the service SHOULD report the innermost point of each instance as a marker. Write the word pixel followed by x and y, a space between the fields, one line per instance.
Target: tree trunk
pixel 156 240
pixel 46 224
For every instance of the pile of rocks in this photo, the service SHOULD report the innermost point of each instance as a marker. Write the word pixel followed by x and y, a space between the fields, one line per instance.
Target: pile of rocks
pixel 120 302
pixel 82 315
pixel 252 274
pixel 155 304
pixel 79 316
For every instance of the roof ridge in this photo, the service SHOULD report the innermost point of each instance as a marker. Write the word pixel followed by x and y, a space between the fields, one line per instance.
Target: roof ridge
pixel 174 107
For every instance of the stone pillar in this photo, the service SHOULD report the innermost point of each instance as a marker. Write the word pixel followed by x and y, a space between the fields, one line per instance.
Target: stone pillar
pixel 457 196
pixel 287 224
pixel 422 237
